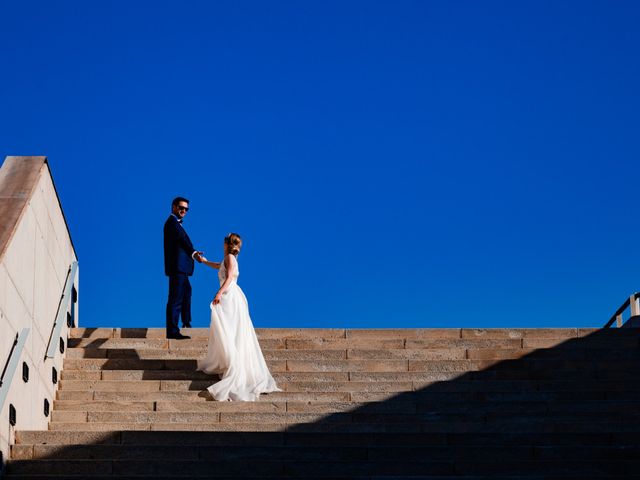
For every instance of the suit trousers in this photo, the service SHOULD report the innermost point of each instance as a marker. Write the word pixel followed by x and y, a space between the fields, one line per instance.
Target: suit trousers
pixel 178 303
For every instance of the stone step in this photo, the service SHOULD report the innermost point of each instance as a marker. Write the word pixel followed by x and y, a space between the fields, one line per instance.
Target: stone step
pixel 194 354
pixel 379 466
pixel 196 379
pixel 311 407
pixel 422 396
pixel 599 355
pixel 54 437
pixel 614 389
pixel 172 468
pixel 430 469
pixel 349 477
pixel 68 375
pixel 220 477
pixel 199 343
pixel 361 382
pixel 97 364
pixel 454 333
pixel 363 415
pixel 424 379
pixel 193 396
pixel 420 379
pixel 195 343
pixel 364 382
pixel 168 427
pixel 278 333
pixel 630 342
pixel 212 416
pixel 341 453
pixel 537 426
pixel 212 453
pixel 317 453
pixel 211 406
pixel 507 476
pixel 281 365
pixel 442 333
pixel 540 427
pixel 330 439
pixel 526 343
pixel 115 437
pixel 320 365
pixel 207 406
pixel 498 368
pixel 317 382
pixel 205 380
pixel 403 405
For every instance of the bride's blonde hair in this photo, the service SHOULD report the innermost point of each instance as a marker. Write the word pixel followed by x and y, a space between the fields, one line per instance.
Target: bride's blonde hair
pixel 234 243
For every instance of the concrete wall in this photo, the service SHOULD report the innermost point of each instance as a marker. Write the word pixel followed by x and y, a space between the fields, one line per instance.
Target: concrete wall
pixel 33 269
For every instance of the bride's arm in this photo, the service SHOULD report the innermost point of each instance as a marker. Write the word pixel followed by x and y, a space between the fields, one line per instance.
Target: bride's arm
pixel 215 265
pixel 231 270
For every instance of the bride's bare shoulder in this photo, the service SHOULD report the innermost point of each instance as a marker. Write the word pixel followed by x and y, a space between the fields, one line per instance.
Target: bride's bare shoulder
pixel 230 259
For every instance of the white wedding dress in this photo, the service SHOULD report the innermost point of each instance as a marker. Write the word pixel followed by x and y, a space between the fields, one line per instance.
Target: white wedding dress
pixel 233 350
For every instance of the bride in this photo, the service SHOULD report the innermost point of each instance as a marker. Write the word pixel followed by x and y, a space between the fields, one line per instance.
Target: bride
pixel 233 350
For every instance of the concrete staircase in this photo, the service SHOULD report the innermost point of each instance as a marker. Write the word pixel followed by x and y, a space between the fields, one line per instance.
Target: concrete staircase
pixel 433 403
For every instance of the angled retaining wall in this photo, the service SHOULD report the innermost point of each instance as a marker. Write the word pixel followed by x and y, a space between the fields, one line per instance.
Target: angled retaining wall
pixel 36 253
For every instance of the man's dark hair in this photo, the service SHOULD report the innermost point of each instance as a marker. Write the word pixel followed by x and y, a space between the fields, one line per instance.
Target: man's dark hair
pixel 177 200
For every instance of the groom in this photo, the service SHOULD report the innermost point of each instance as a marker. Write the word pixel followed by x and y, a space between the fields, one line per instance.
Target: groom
pixel 178 266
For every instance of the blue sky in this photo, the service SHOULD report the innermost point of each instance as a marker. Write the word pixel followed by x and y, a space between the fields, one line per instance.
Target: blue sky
pixel 388 164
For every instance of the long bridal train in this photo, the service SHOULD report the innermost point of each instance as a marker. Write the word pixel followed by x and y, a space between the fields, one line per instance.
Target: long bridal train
pixel 234 351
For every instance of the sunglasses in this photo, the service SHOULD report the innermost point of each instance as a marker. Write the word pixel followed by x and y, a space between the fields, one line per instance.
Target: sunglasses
pixel 186 209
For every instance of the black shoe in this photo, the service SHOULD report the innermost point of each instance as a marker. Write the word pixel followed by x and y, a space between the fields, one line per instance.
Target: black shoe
pixel 178 336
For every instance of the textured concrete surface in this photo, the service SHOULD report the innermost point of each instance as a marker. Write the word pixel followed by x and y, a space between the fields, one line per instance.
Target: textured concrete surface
pixel 441 404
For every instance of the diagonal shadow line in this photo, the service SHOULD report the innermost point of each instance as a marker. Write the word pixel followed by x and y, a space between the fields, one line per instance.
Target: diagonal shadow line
pixel 569 411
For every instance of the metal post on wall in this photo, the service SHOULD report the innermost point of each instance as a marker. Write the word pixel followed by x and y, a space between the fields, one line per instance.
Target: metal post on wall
pixel 634 302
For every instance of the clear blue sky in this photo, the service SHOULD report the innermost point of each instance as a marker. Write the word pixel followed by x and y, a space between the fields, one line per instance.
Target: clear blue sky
pixel 415 164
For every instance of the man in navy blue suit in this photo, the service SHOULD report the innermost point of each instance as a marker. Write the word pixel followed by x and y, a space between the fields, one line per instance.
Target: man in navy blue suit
pixel 178 266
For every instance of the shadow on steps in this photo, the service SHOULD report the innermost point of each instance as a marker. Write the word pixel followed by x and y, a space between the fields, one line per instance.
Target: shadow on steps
pixel 568 411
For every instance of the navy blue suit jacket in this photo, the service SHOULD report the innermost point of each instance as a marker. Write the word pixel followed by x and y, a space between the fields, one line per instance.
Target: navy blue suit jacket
pixel 178 249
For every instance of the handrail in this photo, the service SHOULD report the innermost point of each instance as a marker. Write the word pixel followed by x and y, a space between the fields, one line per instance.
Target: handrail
pixel 6 365
pixel 12 364
pixel 62 310
pixel 632 302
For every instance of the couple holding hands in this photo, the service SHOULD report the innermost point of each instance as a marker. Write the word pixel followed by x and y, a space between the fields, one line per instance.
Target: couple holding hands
pixel 233 351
